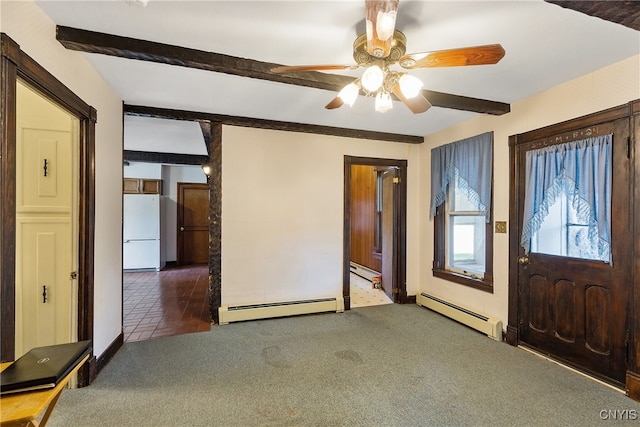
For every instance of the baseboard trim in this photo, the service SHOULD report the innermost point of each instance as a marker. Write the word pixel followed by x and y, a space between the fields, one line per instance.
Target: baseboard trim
pixel 107 355
pixel 169 265
pixel 633 385
pixel 87 373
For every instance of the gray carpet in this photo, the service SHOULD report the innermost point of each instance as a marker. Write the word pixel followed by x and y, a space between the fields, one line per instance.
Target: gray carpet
pixel 387 365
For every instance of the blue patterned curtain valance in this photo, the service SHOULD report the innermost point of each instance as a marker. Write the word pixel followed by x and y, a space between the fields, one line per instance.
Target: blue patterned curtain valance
pixel 581 169
pixel 470 161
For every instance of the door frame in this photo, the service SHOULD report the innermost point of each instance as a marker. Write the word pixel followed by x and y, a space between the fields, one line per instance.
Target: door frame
pixel 14 64
pixel 626 111
pixel 400 233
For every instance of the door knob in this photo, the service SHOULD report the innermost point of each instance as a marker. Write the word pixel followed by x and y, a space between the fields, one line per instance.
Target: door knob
pixel 524 260
pixel 181 228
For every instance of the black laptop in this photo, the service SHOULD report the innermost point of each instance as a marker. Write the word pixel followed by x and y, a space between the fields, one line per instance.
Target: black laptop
pixel 42 367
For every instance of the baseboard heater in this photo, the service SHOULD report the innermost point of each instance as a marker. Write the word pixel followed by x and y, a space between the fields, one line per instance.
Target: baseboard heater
pixel 362 271
pixel 487 325
pixel 237 313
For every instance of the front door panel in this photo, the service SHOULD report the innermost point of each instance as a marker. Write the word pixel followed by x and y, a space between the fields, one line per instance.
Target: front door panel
pixel 573 309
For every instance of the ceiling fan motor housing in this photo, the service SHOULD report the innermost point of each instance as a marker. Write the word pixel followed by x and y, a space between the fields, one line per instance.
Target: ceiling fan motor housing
pixel 364 59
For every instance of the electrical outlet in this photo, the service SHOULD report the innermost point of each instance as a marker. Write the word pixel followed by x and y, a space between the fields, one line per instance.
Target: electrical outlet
pixel 501 226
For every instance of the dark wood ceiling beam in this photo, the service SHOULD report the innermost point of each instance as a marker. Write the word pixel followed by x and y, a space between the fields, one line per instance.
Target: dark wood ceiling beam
pixel 625 13
pixel 205 126
pixel 143 50
pixel 165 113
pixel 166 158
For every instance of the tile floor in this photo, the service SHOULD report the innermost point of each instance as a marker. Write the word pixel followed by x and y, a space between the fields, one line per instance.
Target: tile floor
pixel 363 295
pixel 170 302
pixel 175 301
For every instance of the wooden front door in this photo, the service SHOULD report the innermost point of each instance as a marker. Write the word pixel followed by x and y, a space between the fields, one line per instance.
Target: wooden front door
pixel 570 308
pixel 193 223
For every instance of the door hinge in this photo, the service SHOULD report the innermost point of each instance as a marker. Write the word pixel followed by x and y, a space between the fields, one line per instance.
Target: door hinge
pixel 73 275
pixel 394 291
pixel 396 180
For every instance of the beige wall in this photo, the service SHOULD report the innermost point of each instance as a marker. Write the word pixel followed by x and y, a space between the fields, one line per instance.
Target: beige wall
pixel 28 25
pixel 605 88
pixel 282 213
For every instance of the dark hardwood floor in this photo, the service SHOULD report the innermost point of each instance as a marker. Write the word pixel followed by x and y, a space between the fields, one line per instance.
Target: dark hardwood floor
pixel 169 302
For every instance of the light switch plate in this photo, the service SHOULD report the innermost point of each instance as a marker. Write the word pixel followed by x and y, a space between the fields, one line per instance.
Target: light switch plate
pixel 501 226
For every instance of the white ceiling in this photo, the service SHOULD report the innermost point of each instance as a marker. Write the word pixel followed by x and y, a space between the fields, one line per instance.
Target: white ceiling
pixel 545 45
pixel 163 135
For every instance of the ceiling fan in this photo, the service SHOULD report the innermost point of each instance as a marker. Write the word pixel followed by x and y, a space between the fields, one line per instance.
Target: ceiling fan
pixel 380 48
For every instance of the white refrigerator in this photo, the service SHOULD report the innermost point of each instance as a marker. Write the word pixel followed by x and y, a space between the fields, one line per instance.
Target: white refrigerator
pixel 141 232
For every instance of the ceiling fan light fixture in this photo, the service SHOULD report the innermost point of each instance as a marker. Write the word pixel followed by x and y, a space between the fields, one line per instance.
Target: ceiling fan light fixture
pixel 386 24
pixel 410 86
pixel 372 78
pixel 349 94
pixel 383 102
pixel 380 26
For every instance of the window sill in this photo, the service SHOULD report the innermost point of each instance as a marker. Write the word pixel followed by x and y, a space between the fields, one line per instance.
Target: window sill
pixel 485 284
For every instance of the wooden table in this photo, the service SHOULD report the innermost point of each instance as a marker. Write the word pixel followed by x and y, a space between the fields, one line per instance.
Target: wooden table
pixel 23 409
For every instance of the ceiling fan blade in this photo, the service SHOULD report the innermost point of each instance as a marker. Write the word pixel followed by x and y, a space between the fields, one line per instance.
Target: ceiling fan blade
pixel 418 104
pixel 476 55
pixel 380 22
pixel 301 68
pixel 336 102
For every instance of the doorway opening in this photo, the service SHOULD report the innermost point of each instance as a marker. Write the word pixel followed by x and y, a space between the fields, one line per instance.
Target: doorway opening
pixel 374 271
pixel 166 294
pixel 165 288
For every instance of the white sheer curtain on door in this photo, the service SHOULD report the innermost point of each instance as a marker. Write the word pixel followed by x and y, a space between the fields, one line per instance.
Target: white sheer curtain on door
pixel 581 173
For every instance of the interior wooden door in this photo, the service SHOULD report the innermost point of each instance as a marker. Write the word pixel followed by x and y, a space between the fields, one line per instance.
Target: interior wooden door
pixel 46 222
pixel 193 223
pixel 388 232
pixel 574 309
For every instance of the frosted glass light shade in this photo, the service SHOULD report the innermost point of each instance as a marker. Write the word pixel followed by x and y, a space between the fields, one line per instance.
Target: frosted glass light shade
pixel 410 86
pixel 372 78
pixel 380 25
pixel 349 94
pixel 385 24
pixel 383 102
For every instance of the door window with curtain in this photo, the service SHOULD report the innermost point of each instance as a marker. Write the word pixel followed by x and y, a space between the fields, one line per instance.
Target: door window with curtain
pixel 567 208
pixel 461 200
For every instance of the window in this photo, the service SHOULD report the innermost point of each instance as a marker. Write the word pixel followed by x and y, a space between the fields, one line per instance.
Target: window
pixel 567 206
pixel 564 233
pixel 465 237
pixel 461 200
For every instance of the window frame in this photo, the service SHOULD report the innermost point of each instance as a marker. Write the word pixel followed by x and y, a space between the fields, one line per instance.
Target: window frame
pixel 440 250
